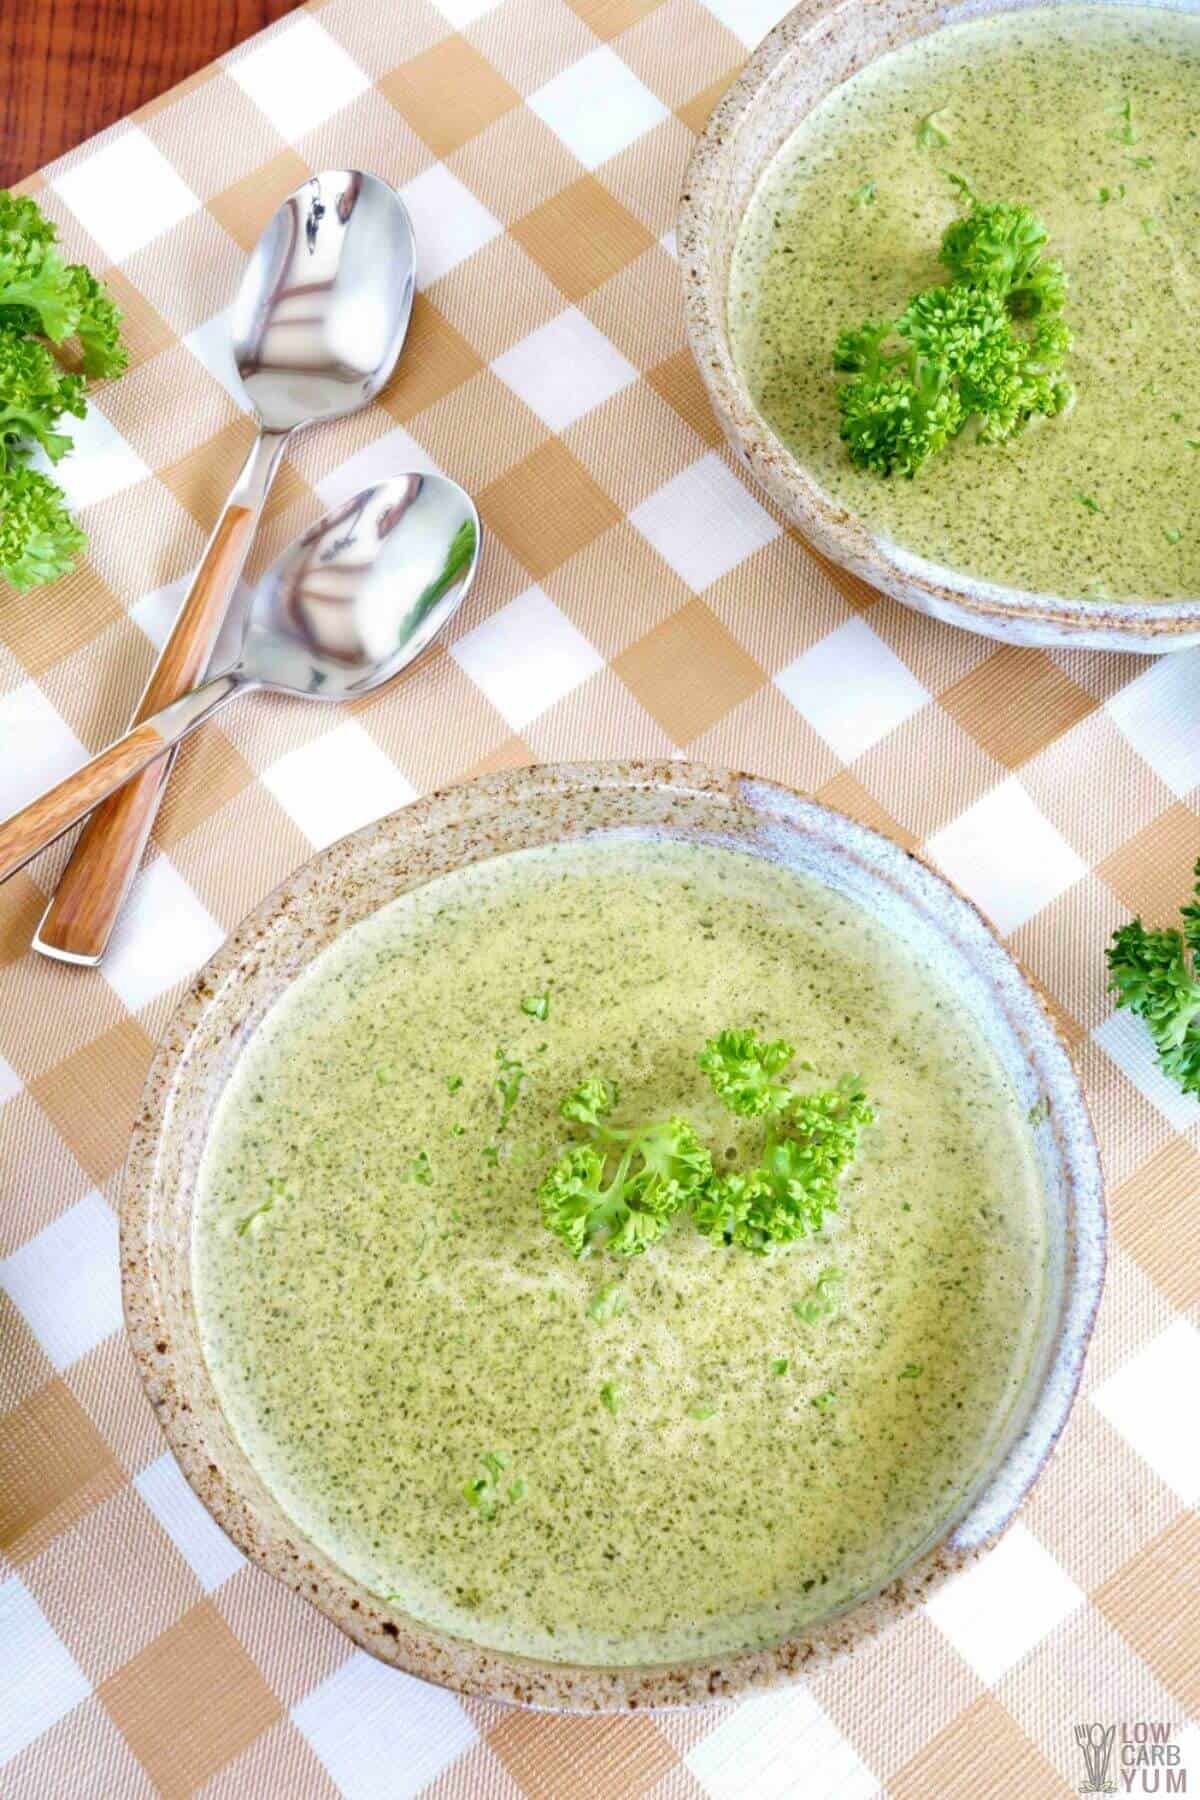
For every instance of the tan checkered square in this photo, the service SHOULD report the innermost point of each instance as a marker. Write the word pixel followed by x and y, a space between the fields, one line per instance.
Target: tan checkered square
pixel 189 1702
pixel 243 208
pixel 547 508
pixel 688 672
pixel 54 1468
pixel 449 94
pixel 581 237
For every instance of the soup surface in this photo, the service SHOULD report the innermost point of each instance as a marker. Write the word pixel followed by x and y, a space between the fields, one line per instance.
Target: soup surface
pixel 692 1466
pixel 1091 117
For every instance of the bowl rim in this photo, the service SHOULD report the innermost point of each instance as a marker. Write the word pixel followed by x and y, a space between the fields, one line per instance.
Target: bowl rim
pixel 263 1532
pixel 838 532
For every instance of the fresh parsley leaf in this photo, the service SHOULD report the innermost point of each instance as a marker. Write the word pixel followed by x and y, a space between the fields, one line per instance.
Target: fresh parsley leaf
pixel 779 1365
pixel 485 1492
pixel 809 1142
pixel 610 1397
pixel 1153 974
pixel 864 195
pixel 537 1006
pixel 419 1169
pixel 1126 132
pixel 911 1371
pixel 622 1189
pixel 43 298
pixel 1086 501
pixel 608 1304
pixel 824 1401
pixel 988 345
pixel 510 1079
pixel 453 1083
pixel 929 135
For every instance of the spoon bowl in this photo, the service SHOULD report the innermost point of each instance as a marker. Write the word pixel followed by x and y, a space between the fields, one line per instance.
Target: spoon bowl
pixel 349 605
pixel 363 591
pixel 325 300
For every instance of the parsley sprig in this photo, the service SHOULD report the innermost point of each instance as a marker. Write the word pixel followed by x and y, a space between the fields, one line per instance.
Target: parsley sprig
pixel 621 1188
pixel 1154 975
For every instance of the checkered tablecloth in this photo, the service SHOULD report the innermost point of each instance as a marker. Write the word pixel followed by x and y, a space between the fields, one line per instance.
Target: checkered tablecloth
pixel 636 599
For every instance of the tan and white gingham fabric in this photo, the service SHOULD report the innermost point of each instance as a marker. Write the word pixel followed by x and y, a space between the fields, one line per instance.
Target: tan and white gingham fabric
pixel 636 599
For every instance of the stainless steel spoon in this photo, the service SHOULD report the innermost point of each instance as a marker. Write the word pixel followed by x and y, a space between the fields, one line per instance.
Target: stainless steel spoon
pixel 317 325
pixel 347 607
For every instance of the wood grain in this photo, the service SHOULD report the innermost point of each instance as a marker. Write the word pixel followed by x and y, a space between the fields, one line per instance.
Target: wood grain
pixel 70 67
pixel 55 811
pixel 83 911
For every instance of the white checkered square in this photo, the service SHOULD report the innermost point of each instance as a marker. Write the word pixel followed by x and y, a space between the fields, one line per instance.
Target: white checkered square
pixel 337 782
pixel 382 1735
pixel 464 12
pixel 780 1747
pixel 41 1680
pixel 997 1610
pixel 395 453
pixel 704 522
pixel 526 657
pixel 749 20
pixel 852 688
pixel 597 106
pixel 211 1556
pixel 100 464
pixel 564 369
pixel 1125 1039
pixel 1157 713
pixel 1151 1401
pixel 298 76
pixel 126 193
pixel 449 222
pixel 157 611
pixel 163 935
pixel 10 1082
pixel 65 1282
pixel 212 346
pixel 1006 855
pixel 53 750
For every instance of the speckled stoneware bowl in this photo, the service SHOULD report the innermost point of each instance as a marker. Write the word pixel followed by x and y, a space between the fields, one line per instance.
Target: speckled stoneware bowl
pixel 508 812
pixel 815 48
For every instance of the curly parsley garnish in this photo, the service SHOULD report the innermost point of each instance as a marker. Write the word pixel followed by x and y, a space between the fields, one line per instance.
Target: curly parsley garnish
pixel 1154 976
pixel 621 1188
pixel 988 345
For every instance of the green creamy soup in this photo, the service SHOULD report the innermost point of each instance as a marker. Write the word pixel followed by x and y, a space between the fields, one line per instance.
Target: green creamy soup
pixel 692 1465
pixel 1091 117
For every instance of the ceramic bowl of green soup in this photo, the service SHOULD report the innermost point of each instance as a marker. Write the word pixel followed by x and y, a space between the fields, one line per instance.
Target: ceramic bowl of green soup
pixel 612 1236
pixel 941 269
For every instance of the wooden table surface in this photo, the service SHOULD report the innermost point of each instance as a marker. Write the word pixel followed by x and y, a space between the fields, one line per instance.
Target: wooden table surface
pixel 70 67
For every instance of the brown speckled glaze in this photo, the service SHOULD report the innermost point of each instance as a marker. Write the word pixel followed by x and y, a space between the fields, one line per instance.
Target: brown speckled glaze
pixel 511 811
pixel 815 48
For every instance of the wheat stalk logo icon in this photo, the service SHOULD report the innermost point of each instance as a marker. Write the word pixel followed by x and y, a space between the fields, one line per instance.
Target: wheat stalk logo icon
pixel 1096 1745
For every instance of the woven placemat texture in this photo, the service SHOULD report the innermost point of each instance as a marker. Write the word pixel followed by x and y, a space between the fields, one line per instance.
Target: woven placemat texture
pixel 636 598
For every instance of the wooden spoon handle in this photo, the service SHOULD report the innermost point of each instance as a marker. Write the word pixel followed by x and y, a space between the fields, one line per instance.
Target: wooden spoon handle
pixel 79 920
pixel 60 807
pixel 55 811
